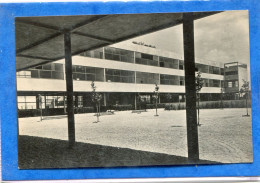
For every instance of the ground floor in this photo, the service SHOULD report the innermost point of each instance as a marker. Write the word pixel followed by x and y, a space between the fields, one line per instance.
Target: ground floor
pixel 224 136
pixel 55 103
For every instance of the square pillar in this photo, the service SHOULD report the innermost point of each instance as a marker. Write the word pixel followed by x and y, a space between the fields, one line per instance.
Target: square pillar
pixel 69 87
pixel 105 99
pixel 189 67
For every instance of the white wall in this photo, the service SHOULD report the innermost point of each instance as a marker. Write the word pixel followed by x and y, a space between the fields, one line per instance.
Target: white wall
pixel 31 84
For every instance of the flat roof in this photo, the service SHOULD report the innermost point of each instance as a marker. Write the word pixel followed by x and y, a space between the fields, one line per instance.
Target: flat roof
pixel 40 40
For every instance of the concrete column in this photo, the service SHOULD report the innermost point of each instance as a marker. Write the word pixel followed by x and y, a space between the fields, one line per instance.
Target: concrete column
pixel 69 86
pixel 64 103
pixel 105 79
pixel 45 101
pixel 76 100
pixel 189 67
pixel 134 57
pixel 135 102
pixel 105 99
pixel 37 102
pixel 103 52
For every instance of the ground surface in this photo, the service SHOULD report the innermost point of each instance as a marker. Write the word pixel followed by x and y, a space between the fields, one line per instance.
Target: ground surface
pixel 225 136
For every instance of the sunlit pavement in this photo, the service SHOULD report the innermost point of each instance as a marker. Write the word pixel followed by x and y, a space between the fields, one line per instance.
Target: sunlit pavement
pixel 224 136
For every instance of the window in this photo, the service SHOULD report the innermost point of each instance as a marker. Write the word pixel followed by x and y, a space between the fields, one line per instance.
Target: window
pixel 88 73
pixel 122 76
pixel 24 74
pixel 231 73
pixel 202 68
pixel 57 75
pixel 146 59
pixel 50 71
pixel 210 69
pixel 236 83
pixel 169 80
pixel 47 67
pixel 80 101
pixel 147 78
pixel 119 54
pixel 169 62
pixel 181 64
pixel 35 74
pixel 216 83
pixel 221 71
pixel 230 84
pixel 206 82
pixel 26 102
pixel 45 74
pixel 98 53
pixel 216 70
pixel 182 82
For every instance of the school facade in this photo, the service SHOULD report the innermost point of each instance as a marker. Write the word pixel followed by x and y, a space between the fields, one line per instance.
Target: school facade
pixel 126 77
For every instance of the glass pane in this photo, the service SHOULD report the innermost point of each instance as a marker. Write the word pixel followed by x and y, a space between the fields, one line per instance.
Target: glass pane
pixel 21 99
pixel 46 67
pixel 45 74
pixel 137 55
pixel 80 76
pixel 58 67
pixel 57 75
pixel 90 77
pixel 21 106
pixel 31 105
pixel 30 98
pixel 35 74
pixel 80 69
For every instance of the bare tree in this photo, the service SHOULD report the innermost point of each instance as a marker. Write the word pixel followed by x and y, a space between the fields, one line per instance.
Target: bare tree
pixel 199 84
pixel 245 90
pixel 156 96
pixel 96 97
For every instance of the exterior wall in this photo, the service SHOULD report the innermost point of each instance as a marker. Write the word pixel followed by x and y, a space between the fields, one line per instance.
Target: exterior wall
pixel 45 85
pixel 230 79
pixel 242 75
pixel 41 84
pixel 235 72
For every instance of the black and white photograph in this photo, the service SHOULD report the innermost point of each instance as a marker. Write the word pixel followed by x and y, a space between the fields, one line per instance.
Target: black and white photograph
pixel 124 90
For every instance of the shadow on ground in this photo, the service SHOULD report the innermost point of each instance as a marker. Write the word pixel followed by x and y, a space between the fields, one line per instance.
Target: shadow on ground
pixel 37 152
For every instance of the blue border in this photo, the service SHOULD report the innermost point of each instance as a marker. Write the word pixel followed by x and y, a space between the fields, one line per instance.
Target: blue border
pixel 8 108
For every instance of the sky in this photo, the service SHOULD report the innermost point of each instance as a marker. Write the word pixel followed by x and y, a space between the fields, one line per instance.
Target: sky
pixel 223 37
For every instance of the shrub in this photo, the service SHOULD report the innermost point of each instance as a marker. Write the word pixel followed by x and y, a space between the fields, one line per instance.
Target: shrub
pixel 122 107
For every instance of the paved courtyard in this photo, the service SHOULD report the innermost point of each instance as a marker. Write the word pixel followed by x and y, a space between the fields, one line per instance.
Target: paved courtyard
pixel 225 136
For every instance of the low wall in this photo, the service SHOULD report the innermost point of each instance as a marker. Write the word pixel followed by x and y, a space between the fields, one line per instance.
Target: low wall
pixel 211 104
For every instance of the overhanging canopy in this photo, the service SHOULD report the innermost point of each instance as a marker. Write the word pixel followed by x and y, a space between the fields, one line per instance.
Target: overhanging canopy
pixel 41 39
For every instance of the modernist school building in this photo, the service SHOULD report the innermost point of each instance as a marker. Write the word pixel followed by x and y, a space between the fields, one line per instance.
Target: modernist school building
pixel 125 77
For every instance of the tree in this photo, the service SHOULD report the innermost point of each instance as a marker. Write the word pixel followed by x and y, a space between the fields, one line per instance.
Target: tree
pixel 156 96
pixel 96 97
pixel 199 84
pixel 168 97
pixel 244 90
